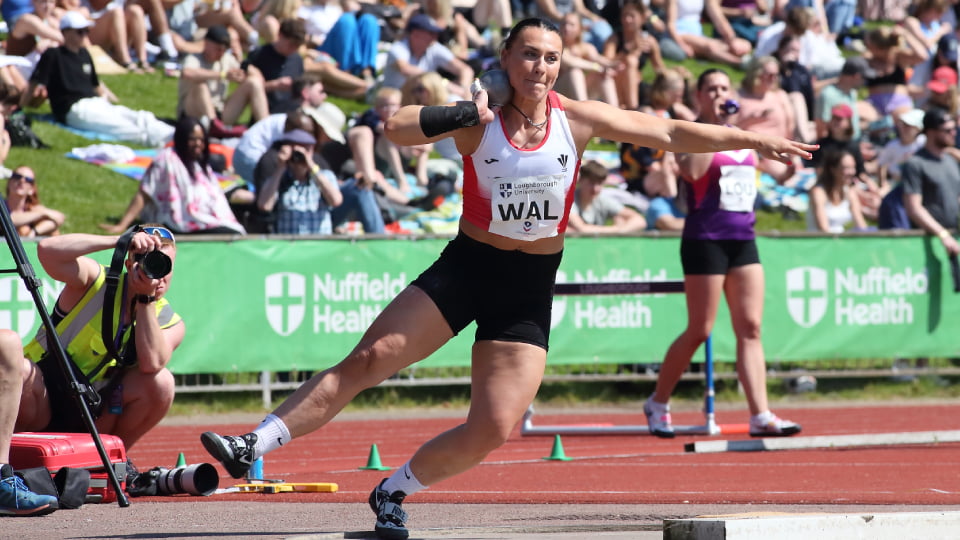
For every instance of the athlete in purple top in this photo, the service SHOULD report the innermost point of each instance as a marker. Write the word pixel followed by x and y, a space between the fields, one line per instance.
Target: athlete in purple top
pixel 719 255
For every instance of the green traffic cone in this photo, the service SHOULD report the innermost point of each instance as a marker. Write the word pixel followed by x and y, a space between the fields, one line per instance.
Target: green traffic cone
pixel 373 462
pixel 181 461
pixel 557 453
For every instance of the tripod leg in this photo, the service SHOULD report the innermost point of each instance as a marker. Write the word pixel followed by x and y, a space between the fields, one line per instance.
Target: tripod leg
pixel 54 347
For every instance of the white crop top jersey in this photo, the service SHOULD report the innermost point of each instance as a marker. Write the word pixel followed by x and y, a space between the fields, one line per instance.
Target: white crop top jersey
pixel 524 194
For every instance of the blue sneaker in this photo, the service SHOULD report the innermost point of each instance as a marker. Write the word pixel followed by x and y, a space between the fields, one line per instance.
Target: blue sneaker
pixel 391 519
pixel 17 500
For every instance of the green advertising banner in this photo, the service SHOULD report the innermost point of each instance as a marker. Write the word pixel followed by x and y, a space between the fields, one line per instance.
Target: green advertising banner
pixel 279 304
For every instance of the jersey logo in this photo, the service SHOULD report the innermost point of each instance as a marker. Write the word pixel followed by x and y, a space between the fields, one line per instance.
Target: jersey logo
pixel 491 160
pixel 506 189
pixel 563 161
pixel 739 155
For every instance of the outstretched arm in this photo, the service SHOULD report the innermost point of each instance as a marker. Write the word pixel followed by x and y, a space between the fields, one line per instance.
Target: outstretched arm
pixel 594 119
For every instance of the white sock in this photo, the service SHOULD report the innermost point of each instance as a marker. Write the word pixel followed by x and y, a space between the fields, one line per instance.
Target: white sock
pixel 166 43
pixel 403 480
pixel 656 406
pixel 271 434
pixel 763 418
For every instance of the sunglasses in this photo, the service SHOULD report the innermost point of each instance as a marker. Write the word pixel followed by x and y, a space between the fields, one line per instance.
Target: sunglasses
pixel 163 232
pixel 18 176
pixel 81 31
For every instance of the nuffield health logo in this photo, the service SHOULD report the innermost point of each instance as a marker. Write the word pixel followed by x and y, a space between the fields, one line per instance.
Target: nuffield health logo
pixel 20 312
pixel 807 295
pixel 285 295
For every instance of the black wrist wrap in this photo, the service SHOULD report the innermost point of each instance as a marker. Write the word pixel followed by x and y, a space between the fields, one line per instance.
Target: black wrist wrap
pixel 438 119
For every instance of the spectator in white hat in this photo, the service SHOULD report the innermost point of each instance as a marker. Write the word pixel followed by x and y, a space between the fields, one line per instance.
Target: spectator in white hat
pixel 67 77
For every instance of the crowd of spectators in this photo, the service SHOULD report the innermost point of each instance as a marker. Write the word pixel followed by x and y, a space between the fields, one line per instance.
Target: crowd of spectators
pixel 255 76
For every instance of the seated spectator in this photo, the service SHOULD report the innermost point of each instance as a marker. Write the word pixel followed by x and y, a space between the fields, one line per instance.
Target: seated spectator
pixel 844 91
pixel 205 80
pixel 280 63
pixel 943 91
pixel 118 28
pixel 391 156
pixel 429 88
pixel 632 47
pixel 182 20
pixel 420 52
pixel 668 96
pixel 840 138
pixel 818 50
pixel 66 75
pixel 308 91
pixel 33 34
pixel 891 51
pixel 457 32
pixel 747 17
pixel 909 139
pixel 797 82
pixel 326 124
pixel 665 214
pixel 927 26
pixel 227 13
pixel 584 72
pixel 180 190
pixel 29 216
pixel 302 191
pixel 267 17
pixel 595 212
pixel 384 165
pixel 597 29
pixel 158 28
pixel 766 108
pixel 833 205
pixel 345 54
pixel 684 24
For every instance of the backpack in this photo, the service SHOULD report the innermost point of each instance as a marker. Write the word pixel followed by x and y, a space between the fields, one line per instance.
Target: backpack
pixel 18 126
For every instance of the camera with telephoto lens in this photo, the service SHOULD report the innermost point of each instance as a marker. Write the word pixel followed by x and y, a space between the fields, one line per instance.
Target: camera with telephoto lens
pixel 298 157
pixel 730 106
pixel 201 479
pixel 154 264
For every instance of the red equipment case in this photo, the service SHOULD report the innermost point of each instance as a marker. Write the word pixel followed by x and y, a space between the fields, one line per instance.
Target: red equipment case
pixel 74 450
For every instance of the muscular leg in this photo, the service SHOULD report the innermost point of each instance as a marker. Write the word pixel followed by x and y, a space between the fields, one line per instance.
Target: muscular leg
pixel 197 102
pixel 249 92
pixel 505 380
pixel 408 330
pixel 744 293
pixel 11 384
pixel 146 399
pixel 703 298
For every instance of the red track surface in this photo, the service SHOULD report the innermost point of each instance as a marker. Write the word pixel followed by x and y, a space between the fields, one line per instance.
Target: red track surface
pixel 615 469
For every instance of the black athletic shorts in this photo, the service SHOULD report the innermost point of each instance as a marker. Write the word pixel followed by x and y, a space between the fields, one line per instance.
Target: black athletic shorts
pixel 508 293
pixel 710 257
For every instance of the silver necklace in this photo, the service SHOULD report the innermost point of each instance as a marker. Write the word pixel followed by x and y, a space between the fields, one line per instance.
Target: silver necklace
pixel 529 120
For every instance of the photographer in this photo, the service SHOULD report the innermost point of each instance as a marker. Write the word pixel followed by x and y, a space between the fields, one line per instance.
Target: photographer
pixel 301 187
pixel 135 392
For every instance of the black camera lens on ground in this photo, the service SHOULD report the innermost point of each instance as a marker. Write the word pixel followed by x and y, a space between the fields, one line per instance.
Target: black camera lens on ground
pixel 201 479
pixel 154 264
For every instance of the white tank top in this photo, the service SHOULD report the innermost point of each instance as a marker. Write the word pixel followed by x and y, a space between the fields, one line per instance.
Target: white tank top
pixel 524 194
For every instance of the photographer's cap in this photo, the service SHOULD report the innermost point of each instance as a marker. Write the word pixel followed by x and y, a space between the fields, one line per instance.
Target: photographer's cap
pixel 298 136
